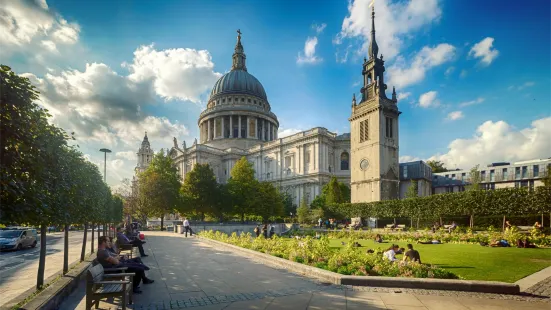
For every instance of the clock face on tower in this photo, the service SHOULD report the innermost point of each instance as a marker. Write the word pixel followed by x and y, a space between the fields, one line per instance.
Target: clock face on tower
pixel 364 164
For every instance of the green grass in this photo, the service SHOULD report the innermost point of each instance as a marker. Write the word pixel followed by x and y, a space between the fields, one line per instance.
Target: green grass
pixel 472 261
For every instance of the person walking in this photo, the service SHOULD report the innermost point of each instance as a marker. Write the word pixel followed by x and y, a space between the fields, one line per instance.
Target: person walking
pixel 257 230
pixel 320 222
pixel 187 228
pixel 265 231
pixel 272 230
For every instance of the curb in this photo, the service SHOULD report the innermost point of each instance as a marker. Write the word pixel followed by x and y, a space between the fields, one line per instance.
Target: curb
pixel 53 295
pixel 375 281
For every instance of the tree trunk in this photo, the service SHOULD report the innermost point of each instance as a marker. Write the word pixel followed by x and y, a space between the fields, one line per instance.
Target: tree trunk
pixel 542 220
pixel 417 222
pixel 243 218
pixel 83 251
pixel 504 223
pixel 411 222
pixel 66 250
pixel 98 233
pixel 162 221
pixel 440 221
pixel 42 259
pixel 92 240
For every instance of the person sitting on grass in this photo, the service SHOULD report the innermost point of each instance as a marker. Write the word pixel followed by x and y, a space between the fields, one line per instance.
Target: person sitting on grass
pixel 430 242
pixel 108 261
pixel 390 253
pixel 378 238
pixel 400 251
pixel 412 254
pixel 524 243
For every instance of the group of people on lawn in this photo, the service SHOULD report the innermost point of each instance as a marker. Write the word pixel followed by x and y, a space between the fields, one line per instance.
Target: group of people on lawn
pixel 268 230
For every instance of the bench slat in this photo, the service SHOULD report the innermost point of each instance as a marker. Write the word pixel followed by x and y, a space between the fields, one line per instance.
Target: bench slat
pixel 109 288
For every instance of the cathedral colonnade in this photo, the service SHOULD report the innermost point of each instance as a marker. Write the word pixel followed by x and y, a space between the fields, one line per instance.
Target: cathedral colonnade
pixel 232 126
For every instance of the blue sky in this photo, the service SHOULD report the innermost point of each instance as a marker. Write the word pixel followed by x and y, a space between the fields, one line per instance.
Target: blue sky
pixel 473 76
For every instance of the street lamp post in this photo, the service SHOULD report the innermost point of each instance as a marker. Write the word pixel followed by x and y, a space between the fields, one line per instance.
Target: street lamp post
pixel 105 151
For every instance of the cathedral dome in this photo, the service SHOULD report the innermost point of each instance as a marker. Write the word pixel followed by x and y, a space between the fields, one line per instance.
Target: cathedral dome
pixel 238 82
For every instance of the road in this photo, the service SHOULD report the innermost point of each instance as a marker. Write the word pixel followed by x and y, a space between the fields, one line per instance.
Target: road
pixel 18 269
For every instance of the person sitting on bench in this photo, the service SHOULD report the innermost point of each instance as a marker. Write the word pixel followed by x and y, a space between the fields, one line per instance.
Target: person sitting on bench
pixel 452 227
pixel 108 261
pixel 135 243
pixel 113 251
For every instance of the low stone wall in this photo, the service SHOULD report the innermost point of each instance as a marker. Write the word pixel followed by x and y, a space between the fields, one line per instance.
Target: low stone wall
pixel 231 228
pixel 336 278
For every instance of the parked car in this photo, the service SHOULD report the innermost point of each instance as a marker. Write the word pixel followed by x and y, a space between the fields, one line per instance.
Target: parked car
pixel 17 239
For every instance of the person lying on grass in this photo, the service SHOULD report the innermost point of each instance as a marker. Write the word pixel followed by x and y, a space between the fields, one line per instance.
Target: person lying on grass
pixel 430 242
pixel 524 244
pixel 500 244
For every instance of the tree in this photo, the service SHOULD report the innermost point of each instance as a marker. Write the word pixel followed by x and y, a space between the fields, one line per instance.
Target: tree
pixel 288 206
pixel 332 193
pixel 474 179
pixel 242 185
pixel 303 212
pixel 268 201
pixel 200 191
pixel 436 166
pixel 159 187
pixel 413 189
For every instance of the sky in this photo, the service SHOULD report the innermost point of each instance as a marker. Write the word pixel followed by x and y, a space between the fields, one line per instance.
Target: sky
pixel 472 77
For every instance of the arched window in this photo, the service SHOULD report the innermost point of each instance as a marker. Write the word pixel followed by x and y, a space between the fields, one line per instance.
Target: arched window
pixel 345 158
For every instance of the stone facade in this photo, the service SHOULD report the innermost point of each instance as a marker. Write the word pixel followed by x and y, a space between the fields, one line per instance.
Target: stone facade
pixel 374 134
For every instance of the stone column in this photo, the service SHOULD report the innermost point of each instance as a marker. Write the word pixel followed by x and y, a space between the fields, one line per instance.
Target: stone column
pixel 271 131
pixel 256 128
pixel 208 129
pixel 214 128
pixel 231 126
pixel 223 127
pixel 239 124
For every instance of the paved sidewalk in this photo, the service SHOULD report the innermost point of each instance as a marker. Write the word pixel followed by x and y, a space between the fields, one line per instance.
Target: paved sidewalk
pixel 190 273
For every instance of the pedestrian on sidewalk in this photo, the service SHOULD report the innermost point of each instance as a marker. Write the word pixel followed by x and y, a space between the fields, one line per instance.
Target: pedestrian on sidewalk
pixel 187 228
pixel 137 243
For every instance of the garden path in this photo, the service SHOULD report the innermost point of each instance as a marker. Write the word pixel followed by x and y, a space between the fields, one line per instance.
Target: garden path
pixel 191 273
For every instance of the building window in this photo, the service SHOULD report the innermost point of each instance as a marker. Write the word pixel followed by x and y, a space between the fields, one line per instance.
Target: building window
pixel 364 130
pixel 223 100
pixel 517 173
pixel 453 176
pixel 505 174
pixel 492 176
pixel 345 158
pixel 536 171
pixel 483 176
pixel 405 171
pixel 463 175
pixel 389 127
pixel 242 99
pixel 288 162
pixel 524 172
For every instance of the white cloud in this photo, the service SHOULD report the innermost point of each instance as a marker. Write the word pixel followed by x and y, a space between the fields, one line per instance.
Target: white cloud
pixel 455 115
pixel 485 51
pixel 319 28
pixel 309 56
pixel 472 102
pixel 393 22
pixel 522 86
pixel 499 141
pixel 27 25
pixel 179 73
pixel 408 158
pixel 117 163
pixel 404 73
pixel 463 74
pixel 128 155
pixel 429 99
pixel 449 71
pixel 282 133
pixel 403 95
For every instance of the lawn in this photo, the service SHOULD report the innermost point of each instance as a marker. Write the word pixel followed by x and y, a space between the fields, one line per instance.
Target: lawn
pixel 472 261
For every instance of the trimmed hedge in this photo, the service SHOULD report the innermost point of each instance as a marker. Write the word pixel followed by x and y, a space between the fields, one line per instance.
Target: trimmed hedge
pixel 507 201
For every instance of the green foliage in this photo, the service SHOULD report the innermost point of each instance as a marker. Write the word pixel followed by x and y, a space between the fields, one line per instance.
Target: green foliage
pixel 546 179
pixel 413 189
pixel 242 185
pixel 318 253
pixel 436 166
pixel 474 179
pixel 269 203
pixel 506 201
pixel 331 193
pixel 288 206
pixel 201 193
pixel 159 187
pixel 303 212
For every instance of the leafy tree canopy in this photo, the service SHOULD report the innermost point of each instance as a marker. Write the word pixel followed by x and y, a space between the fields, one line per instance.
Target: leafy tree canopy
pixel 437 166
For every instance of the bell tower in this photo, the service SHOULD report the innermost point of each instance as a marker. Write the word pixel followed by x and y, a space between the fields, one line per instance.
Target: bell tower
pixel 374 133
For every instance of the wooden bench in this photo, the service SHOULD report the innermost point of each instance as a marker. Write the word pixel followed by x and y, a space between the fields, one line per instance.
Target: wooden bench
pixel 399 227
pixel 97 288
pixel 525 229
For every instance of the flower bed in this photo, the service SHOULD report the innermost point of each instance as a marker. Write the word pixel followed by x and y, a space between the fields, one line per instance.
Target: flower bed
pixel 317 253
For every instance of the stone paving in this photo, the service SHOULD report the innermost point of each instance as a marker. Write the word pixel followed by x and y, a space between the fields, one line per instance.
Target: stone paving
pixel 190 273
pixel 542 288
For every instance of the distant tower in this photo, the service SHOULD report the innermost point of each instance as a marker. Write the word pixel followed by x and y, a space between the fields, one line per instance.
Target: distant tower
pixel 374 134
pixel 145 155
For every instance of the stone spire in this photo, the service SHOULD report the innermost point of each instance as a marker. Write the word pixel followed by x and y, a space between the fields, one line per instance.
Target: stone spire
pixel 145 142
pixel 373 48
pixel 239 55
pixel 353 100
pixel 394 94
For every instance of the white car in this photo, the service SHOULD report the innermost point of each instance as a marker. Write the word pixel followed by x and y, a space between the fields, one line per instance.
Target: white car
pixel 17 239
